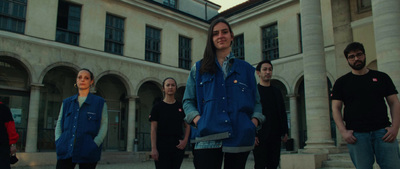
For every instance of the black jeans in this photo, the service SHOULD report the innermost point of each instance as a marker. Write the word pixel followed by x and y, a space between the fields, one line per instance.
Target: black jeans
pixel 68 164
pixel 212 159
pixel 4 156
pixel 169 159
pixel 267 153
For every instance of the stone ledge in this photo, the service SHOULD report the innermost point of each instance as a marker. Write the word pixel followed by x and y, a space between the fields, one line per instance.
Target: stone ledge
pixel 50 158
pixel 302 161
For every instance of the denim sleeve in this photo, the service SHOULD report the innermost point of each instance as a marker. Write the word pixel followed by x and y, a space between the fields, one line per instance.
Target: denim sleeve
pixel 189 97
pixel 258 109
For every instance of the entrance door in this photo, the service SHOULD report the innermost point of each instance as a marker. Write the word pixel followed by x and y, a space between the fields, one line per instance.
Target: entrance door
pixel 114 126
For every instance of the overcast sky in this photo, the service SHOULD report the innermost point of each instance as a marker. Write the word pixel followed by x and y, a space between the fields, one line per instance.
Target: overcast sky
pixel 226 4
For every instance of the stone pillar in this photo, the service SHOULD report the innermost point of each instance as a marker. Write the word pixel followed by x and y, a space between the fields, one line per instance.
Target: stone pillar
pixel 131 123
pixel 33 118
pixel 315 83
pixel 294 121
pixel 386 14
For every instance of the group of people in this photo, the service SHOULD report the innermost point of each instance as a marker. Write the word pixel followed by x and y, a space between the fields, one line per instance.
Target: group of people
pixel 225 107
pixel 225 114
pixel 231 115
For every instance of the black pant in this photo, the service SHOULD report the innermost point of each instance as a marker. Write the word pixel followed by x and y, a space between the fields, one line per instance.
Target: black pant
pixel 169 159
pixel 212 159
pixel 267 153
pixel 5 156
pixel 68 164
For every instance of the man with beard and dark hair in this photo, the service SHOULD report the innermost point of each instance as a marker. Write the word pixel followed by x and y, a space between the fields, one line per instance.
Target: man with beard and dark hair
pixel 365 125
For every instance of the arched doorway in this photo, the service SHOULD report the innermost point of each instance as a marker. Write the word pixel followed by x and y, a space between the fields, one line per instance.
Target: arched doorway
pixel 15 93
pixel 278 84
pixel 149 93
pixel 58 85
pixel 113 90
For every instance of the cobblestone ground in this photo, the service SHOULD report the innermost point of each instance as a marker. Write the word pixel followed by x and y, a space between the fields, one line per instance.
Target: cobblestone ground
pixel 187 164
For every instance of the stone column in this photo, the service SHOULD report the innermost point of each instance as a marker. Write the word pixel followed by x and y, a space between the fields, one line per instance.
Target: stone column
pixel 315 83
pixel 33 118
pixel 386 14
pixel 294 120
pixel 131 123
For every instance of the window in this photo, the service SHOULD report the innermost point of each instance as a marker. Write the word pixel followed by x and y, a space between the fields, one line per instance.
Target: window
pixel 171 3
pixel 364 5
pixel 12 15
pixel 114 35
pixel 68 23
pixel 270 42
pixel 238 46
pixel 185 50
pixel 153 41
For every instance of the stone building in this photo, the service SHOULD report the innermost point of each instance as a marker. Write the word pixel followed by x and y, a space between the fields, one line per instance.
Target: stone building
pixel 132 45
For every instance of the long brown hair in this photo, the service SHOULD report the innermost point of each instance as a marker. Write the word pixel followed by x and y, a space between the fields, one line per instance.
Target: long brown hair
pixel 208 62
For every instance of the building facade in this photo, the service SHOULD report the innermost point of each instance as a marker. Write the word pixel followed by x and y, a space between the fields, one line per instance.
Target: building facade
pixel 132 45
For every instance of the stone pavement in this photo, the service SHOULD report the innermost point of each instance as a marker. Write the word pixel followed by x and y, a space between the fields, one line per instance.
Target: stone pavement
pixel 149 164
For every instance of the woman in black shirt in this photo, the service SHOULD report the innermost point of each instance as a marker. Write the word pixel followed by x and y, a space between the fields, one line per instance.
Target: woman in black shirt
pixel 167 138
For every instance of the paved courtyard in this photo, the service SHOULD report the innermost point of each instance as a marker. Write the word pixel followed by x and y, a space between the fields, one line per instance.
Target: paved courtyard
pixel 187 164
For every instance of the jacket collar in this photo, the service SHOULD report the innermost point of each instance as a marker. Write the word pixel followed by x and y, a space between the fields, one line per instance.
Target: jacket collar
pixel 89 98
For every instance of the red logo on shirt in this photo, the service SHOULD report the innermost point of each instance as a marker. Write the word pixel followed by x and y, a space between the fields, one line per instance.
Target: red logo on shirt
pixel 180 110
pixel 374 79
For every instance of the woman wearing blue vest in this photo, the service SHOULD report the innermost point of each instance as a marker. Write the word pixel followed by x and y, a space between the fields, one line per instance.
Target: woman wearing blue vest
pixel 81 126
pixel 222 102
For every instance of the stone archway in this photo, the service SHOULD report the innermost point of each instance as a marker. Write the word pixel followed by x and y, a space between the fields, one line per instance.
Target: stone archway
pixel 149 93
pixel 15 93
pixel 114 91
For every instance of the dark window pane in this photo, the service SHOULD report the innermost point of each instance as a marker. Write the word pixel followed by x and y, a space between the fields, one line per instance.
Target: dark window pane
pixel 185 58
pixel 270 42
pixel 12 15
pixel 68 23
pixel 152 45
pixel 114 34
pixel 238 46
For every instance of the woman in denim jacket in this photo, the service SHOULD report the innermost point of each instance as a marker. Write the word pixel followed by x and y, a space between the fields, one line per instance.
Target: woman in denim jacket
pixel 221 101
pixel 81 126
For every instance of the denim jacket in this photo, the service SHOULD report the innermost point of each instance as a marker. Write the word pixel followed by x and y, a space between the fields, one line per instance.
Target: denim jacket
pixel 226 106
pixel 79 126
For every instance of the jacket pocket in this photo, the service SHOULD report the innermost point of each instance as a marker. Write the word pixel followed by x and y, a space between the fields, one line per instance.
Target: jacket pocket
pixel 244 131
pixel 90 152
pixel 240 89
pixel 92 125
pixel 62 145
pixel 208 88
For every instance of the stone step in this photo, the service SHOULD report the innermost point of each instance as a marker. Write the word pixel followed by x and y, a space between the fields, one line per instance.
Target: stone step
pixel 336 168
pixel 343 156
pixel 338 163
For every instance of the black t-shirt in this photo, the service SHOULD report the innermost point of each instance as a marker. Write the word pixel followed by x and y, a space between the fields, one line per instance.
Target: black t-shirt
pixel 170 122
pixel 273 108
pixel 363 97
